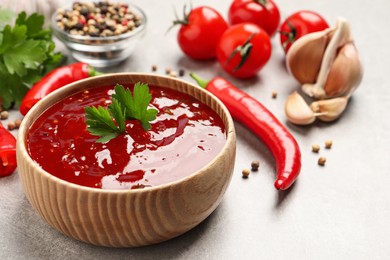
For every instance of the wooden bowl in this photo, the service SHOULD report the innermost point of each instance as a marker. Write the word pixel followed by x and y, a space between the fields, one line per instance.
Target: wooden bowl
pixel 128 218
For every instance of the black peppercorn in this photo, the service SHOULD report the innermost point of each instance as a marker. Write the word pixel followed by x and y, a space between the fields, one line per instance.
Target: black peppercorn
pixel 103 10
pixel 84 12
pixel 78 26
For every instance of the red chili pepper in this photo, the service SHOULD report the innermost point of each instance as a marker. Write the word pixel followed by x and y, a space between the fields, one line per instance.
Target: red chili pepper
pixel 56 79
pixel 264 124
pixel 7 152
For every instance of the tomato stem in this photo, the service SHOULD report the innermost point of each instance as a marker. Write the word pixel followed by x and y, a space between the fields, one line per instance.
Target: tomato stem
pixel 263 3
pixel 201 82
pixel 244 51
pixel 183 21
pixel 291 35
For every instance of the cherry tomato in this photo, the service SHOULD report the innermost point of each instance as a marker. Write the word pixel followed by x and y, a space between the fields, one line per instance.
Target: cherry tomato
pixel 243 50
pixel 200 32
pixel 263 13
pixel 299 24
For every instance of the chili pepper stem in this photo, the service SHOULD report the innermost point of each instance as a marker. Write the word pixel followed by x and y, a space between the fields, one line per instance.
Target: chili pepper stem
pixel 201 82
pixel 93 72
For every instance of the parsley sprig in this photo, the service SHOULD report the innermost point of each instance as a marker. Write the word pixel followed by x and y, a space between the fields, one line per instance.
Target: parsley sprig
pixel 110 122
pixel 26 54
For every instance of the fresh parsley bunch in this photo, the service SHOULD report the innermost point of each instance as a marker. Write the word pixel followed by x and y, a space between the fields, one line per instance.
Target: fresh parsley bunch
pixel 125 106
pixel 26 54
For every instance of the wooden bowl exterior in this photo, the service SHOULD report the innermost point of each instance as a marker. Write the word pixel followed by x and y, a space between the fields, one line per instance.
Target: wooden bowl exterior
pixel 134 217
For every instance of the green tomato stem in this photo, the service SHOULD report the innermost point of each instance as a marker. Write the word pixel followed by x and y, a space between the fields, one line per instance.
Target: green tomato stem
pixel 263 3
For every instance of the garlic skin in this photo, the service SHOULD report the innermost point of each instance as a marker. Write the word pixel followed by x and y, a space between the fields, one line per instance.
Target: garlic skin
pixel 297 111
pixel 330 109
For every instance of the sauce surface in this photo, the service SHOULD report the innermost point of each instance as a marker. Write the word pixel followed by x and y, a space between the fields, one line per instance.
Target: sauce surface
pixel 185 136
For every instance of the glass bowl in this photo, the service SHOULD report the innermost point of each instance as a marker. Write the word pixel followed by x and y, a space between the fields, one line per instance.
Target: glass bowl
pixel 101 51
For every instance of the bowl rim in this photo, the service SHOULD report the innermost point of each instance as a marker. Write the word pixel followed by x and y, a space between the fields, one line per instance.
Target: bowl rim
pixel 123 36
pixel 30 117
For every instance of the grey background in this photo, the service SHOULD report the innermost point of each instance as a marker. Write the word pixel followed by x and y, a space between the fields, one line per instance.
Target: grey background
pixel 340 211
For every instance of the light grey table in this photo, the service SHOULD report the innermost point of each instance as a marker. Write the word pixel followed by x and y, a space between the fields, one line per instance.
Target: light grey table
pixel 340 211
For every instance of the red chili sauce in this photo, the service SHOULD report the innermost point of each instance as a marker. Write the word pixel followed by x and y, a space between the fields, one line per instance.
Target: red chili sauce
pixel 185 136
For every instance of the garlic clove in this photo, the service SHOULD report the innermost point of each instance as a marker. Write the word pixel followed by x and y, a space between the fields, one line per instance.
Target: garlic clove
pixel 305 56
pixel 346 72
pixel 330 109
pixel 298 111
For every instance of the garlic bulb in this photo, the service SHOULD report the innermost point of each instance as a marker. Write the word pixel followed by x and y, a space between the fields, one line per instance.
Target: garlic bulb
pixel 326 63
pixel 328 66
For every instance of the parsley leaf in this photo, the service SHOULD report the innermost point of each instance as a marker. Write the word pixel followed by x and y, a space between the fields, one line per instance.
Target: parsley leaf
pixel 26 55
pixel 118 114
pixel 100 123
pixel 125 105
pixel 12 87
pixel 137 104
pixel 34 24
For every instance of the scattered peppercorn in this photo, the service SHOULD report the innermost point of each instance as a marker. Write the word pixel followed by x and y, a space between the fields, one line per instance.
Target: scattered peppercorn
pixel 168 70
pixel 11 125
pixel 4 115
pixel 154 67
pixel 321 161
pixel 328 144
pixel 255 165
pixel 181 72
pixel 173 74
pixel 18 122
pixel 245 173
pixel 274 94
pixel 315 148
pixel 98 19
